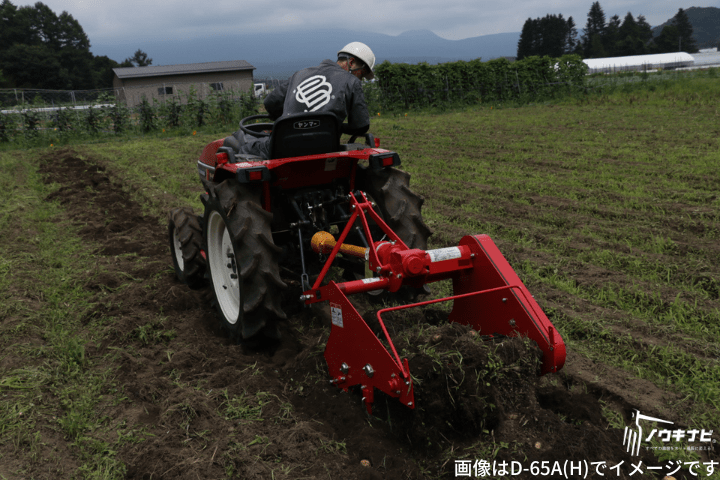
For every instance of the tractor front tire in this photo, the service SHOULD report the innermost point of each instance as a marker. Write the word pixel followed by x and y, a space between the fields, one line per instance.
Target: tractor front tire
pixel 243 262
pixel 185 236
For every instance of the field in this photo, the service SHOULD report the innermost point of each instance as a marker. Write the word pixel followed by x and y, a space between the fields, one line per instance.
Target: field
pixel 607 206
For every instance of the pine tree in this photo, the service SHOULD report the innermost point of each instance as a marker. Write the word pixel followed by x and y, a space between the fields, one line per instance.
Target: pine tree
pixel 677 36
pixel 611 38
pixel 527 37
pixel 685 32
pixel 551 35
pixel 140 59
pixel 596 49
pixel 629 27
pixel 631 37
pixel 644 29
pixel 594 32
pixel 571 42
pixel 552 30
pixel 668 40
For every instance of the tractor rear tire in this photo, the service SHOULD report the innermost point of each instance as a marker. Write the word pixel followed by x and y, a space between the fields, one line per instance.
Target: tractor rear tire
pixel 398 206
pixel 185 236
pixel 243 262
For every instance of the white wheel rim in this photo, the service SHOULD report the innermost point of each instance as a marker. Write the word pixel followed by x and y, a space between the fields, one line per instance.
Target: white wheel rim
pixel 221 260
pixel 177 250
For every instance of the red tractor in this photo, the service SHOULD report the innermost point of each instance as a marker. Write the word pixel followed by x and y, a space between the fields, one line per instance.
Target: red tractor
pixel 261 214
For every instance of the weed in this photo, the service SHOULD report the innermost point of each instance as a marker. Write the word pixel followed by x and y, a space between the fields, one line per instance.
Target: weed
pixel 153 332
pixel 614 418
pixel 333 446
pixel 242 407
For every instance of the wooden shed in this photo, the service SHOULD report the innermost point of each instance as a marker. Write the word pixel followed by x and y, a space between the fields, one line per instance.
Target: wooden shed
pixel 162 82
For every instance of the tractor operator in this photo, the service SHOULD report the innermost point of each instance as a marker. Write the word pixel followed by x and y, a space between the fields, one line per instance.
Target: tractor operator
pixel 330 87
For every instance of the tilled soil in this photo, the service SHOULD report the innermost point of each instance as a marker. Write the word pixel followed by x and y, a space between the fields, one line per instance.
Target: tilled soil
pixel 203 407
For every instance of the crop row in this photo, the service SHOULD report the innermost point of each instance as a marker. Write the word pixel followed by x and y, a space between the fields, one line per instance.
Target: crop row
pixel 38 125
pixel 405 86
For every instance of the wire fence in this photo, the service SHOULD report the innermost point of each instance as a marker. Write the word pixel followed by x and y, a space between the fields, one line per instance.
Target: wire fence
pixel 12 98
pixel 31 117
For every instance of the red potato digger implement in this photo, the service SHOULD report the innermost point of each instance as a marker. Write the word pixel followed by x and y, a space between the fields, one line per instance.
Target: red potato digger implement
pixel 264 214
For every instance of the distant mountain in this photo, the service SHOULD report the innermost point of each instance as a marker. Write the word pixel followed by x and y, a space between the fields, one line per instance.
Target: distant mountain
pixel 281 54
pixel 706 26
pixel 418 34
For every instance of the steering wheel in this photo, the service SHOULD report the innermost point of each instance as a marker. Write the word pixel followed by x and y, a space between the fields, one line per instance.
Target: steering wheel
pixel 256 129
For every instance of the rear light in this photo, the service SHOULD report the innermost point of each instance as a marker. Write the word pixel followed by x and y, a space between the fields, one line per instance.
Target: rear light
pixel 384 160
pixel 253 174
pixel 222 158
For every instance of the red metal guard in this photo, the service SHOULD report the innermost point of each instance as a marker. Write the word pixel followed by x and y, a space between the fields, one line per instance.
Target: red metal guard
pixel 355 356
pixel 488 296
pixel 512 313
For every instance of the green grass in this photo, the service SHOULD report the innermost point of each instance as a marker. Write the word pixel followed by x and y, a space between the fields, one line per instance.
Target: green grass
pixel 43 297
pixel 155 169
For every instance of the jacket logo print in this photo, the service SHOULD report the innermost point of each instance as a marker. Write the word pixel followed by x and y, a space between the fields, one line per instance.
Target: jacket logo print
pixel 314 92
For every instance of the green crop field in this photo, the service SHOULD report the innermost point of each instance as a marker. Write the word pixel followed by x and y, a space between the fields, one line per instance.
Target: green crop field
pixel 606 205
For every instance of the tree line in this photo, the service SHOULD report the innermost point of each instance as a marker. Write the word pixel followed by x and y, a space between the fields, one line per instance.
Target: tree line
pixel 40 49
pixel 555 36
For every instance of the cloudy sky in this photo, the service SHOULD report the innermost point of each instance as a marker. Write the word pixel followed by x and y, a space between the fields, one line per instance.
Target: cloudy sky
pixel 118 21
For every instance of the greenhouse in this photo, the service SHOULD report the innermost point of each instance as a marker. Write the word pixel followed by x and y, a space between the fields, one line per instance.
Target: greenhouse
pixel 664 61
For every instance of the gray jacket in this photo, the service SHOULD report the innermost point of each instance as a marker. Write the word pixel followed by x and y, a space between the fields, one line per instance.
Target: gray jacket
pixel 325 88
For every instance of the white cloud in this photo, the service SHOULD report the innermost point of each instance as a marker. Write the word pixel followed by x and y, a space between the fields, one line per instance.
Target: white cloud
pixel 131 21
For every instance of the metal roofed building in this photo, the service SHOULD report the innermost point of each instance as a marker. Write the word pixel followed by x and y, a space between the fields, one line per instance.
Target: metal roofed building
pixel 161 82
pixel 640 62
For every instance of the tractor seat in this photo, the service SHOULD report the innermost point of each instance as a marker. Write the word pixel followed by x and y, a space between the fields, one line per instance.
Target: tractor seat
pixel 308 133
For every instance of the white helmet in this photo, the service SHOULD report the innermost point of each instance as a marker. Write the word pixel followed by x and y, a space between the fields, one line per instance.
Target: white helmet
pixel 363 52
